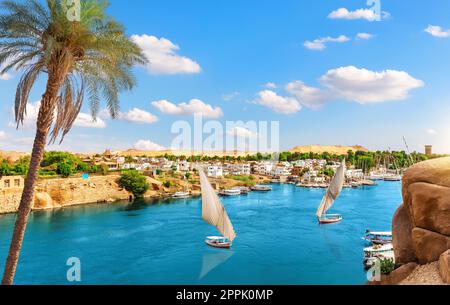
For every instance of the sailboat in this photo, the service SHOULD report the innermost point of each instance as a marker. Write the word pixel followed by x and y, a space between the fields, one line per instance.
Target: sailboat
pixel 333 192
pixel 214 213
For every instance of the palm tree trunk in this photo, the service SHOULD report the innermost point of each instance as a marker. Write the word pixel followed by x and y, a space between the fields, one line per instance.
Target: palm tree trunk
pixel 44 122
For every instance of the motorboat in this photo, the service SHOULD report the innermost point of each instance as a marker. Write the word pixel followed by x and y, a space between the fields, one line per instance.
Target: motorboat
pixel 378 252
pixel 378 238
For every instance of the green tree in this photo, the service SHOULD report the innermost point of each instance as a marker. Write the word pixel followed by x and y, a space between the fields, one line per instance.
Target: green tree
pixel 89 57
pixel 64 169
pixel 134 182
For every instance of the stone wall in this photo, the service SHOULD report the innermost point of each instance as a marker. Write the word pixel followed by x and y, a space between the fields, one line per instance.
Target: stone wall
pixel 56 193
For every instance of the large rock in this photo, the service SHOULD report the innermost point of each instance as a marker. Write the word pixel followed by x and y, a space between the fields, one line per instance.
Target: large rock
pixel 402 237
pixel 397 276
pixel 430 206
pixel 444 267
pixel 421 226
pixel 42 201
pixel 429 245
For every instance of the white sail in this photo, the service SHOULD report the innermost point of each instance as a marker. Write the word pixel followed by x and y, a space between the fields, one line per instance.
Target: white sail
pixel 333 191
pixel 213 211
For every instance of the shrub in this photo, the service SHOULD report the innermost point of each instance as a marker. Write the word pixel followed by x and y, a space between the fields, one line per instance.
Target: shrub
pixel 387 265
pixel 167 184
pixel 134 182
pixel 64 169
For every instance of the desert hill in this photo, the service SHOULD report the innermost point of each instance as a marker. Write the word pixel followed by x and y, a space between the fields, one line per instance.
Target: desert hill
pixel 335 149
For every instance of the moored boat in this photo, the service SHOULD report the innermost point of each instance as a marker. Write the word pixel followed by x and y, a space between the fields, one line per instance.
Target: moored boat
pixel 231 192
pixel 393 178
pixel 181 195
pixel 378 238
pixel 261 188
pixel 378 252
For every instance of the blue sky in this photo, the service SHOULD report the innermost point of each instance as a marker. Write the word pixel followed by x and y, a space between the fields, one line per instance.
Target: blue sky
pixel 251 60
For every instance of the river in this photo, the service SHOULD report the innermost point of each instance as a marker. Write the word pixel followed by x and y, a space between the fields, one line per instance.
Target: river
pixel 279 240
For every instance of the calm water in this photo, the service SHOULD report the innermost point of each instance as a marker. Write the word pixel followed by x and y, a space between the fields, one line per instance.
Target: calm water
pixel 279 240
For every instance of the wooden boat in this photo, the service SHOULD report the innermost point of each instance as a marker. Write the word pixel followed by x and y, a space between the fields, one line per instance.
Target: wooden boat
pixel 214 213
pixel 218 242
pixel 181 195
pixel 330 219
pixel 231 192
pixel 333 192
pixel 393 178
pixel 261 188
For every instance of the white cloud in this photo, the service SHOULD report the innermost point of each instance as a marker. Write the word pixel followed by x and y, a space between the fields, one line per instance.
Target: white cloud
pixel 136 115
pixel 279 104
pixel 366 14
pixel 195 106
pixel 241 132
pixel 85 120
pixel 364 36
pixel 8 75
pixel 148 145
pixel 163 58
pixel 431 131
pixel 365 86
pixel 346 83
pixel 3 135
pixel 270 85
pixel 230 96
pixel 320 43
pixel 308 96
pixel 437 31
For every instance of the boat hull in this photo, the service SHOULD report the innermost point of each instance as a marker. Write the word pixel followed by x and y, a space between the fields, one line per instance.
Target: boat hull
pixel 331 220
pixel 224 245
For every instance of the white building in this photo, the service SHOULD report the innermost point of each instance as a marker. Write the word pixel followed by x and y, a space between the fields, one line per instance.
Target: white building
pixel 183 166
pixel 215 171
pixel 238 169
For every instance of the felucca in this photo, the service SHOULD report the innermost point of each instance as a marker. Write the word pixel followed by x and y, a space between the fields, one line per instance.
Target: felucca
pixel 333 192
pixel 214 213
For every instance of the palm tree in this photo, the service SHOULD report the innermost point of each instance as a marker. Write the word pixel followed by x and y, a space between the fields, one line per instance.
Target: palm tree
pixel 88 58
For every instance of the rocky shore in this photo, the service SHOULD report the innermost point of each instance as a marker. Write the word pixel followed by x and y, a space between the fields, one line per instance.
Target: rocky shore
pixel 421 226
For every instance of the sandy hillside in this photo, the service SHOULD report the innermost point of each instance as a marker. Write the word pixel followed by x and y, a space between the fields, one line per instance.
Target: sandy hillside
pixel 336 149
pixel 12 155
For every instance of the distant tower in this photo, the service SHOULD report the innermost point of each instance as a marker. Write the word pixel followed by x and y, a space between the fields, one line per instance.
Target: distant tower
pixel 429 150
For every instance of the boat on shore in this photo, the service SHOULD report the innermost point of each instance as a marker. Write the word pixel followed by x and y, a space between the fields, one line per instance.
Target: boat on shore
pixel 261 188
pixel 181 195
pixel 333 192
pixel 231 192
pixel 378 238
pixel 214 213
pixel 393 178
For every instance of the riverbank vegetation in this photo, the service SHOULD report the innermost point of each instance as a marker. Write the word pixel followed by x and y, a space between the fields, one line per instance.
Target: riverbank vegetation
pixel 134 182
